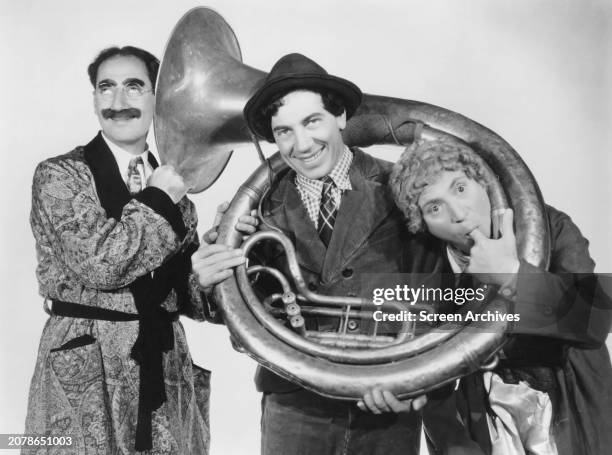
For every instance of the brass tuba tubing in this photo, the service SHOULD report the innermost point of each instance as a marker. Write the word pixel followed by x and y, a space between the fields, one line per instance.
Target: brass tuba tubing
pixel 341 313
pixel 380 355
pixel 272 271
pixel 462 354
pixel 342 373
pixel 202 88
pixel 241 322
pixel 300 284
pixel 386 120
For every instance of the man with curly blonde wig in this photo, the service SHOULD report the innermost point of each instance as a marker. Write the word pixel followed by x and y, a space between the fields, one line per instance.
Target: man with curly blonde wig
pixel 421 166
pixel 552 391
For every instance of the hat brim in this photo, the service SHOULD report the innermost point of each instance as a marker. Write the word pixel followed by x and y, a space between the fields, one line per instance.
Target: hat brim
pixel 349 92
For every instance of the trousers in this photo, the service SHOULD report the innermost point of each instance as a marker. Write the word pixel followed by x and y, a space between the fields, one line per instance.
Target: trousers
pixel 304 423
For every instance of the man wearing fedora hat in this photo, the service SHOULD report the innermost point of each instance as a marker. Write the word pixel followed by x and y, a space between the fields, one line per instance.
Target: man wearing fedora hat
pixel 349 238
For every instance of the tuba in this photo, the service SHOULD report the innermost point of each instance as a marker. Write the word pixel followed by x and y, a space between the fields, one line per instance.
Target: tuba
pixel 201 91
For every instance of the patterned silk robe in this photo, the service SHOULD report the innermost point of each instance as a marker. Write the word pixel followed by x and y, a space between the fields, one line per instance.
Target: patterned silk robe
pixel 93 242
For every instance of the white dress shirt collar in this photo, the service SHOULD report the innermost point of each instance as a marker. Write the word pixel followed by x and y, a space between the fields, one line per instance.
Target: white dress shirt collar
pixel 123 158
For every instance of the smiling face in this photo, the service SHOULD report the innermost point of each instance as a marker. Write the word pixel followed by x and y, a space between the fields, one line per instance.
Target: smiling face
pixel 453 206
pixel 308 136
pixel 124 119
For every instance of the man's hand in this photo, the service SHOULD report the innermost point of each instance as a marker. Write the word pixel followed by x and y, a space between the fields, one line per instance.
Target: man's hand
pixel 212 264
pixel 494 261
pixel 378 401
pixel 169 181
pixel 247 224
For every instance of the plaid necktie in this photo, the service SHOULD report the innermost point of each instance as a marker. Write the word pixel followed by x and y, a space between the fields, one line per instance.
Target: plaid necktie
pixel 134 176
pixel 327 211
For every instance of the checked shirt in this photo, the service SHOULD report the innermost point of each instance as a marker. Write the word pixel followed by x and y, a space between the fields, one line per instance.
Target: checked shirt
pixel 311 190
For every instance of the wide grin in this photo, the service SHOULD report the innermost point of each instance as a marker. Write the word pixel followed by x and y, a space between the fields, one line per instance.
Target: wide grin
pixel 312 158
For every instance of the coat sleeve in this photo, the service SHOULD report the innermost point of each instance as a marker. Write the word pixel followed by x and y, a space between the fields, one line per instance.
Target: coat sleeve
pixel 566 302
pixel 100 252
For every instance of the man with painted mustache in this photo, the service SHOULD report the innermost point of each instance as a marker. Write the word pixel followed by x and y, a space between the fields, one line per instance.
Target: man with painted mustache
pixel 124 114
pixel 114 371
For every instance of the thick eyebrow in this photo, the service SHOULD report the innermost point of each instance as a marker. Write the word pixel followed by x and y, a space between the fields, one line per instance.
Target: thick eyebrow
pixel 126 82
pixel 436 200
pixel 304 122
pixel 134 80
pixel 280 128
pixel 456 180
pixel 311 117
pixel 106 82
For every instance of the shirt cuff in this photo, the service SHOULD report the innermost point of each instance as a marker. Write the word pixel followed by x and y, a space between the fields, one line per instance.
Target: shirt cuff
pixel 508 287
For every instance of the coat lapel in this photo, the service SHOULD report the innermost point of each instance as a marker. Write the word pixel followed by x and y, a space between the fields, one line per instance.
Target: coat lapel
pixel 361 211
pixel 112 190
pixel 110 187
pixel 289 214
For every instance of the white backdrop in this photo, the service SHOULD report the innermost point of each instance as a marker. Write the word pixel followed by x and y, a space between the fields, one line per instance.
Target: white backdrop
pixel 538 72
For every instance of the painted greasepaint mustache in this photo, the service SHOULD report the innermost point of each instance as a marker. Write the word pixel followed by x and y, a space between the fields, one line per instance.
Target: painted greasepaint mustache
pixel 128 113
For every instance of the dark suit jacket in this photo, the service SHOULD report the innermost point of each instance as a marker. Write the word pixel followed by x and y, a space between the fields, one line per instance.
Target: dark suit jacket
pixel 559 343
pixel 366 249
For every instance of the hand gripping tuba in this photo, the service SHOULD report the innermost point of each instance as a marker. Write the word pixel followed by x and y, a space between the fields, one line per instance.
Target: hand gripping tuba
pixel 202 88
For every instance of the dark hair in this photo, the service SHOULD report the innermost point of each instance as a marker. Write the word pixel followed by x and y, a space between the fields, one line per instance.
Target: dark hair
pixel 151 62
pixel 332 103
pixel 420 165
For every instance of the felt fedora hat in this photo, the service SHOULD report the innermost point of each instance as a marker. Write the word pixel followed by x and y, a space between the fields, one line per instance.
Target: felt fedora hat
pixel 294 72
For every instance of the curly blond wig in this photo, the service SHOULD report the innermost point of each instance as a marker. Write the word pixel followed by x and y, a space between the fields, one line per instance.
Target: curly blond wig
pixel 420 165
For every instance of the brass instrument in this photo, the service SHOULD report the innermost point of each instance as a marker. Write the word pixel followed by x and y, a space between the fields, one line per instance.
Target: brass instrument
pixel 201 90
